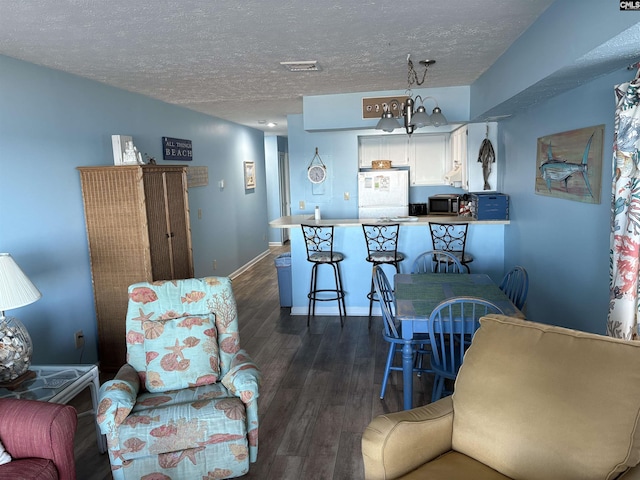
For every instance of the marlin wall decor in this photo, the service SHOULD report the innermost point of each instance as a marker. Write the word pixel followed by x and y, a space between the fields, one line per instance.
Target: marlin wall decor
pixel 570 164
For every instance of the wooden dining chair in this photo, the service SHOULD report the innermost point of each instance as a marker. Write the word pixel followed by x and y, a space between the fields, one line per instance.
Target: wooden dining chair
pixel 391 331
pixel 515 285
pixel 437 261
pixel 451 327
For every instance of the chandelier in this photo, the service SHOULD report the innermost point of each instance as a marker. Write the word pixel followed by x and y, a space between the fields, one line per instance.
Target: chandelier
pixel 419 117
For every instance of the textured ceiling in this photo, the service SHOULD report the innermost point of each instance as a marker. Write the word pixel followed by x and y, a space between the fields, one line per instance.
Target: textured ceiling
pixel 223 57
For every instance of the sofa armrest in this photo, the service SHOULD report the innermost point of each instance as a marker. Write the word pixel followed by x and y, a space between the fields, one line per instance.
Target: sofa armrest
pixel 29 428
pixel 243 380
pixel 397 443
pixel 116 398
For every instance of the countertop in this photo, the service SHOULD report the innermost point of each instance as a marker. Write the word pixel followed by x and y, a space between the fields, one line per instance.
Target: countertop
pixel 294 221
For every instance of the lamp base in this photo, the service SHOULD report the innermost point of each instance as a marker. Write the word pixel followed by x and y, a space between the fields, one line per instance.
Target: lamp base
pixel 16 382
pixel 15 349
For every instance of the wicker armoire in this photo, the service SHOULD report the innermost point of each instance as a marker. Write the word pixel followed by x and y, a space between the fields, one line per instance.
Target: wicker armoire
pixel 138 229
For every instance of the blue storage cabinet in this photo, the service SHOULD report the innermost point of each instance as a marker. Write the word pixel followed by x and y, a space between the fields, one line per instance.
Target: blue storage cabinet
pixel 490 206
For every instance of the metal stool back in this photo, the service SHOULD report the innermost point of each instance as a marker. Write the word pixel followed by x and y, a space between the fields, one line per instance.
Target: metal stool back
pixel 451 237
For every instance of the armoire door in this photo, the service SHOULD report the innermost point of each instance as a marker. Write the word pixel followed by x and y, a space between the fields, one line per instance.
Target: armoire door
pixel 168 221
pixel 179 226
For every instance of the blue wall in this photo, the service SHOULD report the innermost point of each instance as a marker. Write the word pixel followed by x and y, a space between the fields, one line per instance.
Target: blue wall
pixel 51 123
pixel 564 245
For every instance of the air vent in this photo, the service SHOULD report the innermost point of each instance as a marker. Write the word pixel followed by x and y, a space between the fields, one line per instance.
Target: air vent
pixel 304 66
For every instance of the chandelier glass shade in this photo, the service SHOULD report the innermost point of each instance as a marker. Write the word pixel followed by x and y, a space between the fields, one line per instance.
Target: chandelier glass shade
pixel 387 123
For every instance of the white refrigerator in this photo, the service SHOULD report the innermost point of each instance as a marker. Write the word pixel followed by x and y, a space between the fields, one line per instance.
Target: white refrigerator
pixel 383 193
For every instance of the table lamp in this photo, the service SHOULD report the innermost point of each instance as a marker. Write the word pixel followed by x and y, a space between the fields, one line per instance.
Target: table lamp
pixel 16 290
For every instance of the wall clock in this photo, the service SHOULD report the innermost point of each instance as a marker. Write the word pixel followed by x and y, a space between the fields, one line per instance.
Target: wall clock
pixel 316 172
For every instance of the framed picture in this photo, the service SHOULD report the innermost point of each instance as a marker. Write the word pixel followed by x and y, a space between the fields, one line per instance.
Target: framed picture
pixel 249 175
pixel 570 165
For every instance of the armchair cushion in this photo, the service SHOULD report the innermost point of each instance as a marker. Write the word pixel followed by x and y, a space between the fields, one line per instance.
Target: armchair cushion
pixel 538 401
pixel 181 352
pixel 178 420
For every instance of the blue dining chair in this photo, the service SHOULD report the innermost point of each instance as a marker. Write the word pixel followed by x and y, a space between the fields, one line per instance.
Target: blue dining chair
pixel 392 333
pixel 515 285
pixel 437 261
pixel 451 327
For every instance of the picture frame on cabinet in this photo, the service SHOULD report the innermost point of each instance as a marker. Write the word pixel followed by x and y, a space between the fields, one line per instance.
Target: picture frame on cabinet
pixel 249 175
pixel 119 144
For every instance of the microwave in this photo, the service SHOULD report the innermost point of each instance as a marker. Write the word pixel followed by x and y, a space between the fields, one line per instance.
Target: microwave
pixel 444 204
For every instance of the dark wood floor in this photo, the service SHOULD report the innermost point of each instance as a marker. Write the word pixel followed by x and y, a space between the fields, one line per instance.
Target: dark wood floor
pixel 320 387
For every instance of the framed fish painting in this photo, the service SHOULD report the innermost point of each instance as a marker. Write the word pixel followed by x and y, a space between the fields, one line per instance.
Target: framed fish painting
pixel 569 164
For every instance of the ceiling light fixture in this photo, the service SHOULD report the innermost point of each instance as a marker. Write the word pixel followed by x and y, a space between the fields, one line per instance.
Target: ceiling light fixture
pixel 412 119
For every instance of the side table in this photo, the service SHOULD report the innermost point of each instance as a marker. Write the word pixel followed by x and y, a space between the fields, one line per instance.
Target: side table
pixel 60 384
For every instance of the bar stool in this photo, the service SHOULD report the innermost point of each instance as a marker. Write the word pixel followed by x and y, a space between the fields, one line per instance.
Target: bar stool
pixel 382 247
pixel 451 237
pixel 319 243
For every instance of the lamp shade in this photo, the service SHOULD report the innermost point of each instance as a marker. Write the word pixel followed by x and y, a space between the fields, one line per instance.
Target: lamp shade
pixel 16 290
pixel 420 118
pixel 437 118
pixel 387 122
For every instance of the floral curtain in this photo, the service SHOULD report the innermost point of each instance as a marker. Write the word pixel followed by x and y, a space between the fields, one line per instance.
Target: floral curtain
pixel 624 264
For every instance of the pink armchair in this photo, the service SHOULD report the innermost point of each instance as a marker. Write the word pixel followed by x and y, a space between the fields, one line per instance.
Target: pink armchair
pixel 39 437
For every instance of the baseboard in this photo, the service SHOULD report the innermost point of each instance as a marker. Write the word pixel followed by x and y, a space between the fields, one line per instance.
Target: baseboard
pixel 248 265
pixel 276 244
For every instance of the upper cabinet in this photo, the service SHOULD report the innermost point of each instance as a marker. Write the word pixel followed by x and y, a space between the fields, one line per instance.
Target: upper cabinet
pixel 476 134
pixel 383 147
pixel 456 176
pixel 429 161
pixel 425 154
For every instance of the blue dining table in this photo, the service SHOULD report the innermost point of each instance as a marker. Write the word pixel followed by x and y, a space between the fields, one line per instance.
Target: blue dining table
pixel 417 295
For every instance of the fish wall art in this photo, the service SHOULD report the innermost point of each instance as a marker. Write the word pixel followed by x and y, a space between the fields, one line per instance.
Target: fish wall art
pixel 569 164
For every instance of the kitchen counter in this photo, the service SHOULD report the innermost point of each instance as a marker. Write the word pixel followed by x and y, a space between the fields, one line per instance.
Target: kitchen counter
pixel 485 241
pixel 294 221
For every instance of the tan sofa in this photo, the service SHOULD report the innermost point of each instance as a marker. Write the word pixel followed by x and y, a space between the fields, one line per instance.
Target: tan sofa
pixel 531 402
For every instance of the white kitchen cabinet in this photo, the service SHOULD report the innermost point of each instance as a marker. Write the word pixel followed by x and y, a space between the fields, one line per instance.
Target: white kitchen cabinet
pixel 477 132
pixel 426 155
pixel 383 147
pixel 429 158
pixel 456 176
pixel 464 170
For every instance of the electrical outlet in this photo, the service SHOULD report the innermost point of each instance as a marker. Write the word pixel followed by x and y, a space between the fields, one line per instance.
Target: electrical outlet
pixel 215 264
pixel 79 339
pixel 301 205
pixel 347 196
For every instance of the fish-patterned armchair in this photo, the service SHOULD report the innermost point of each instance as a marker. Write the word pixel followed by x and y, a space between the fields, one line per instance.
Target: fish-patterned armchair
pixel 185 404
